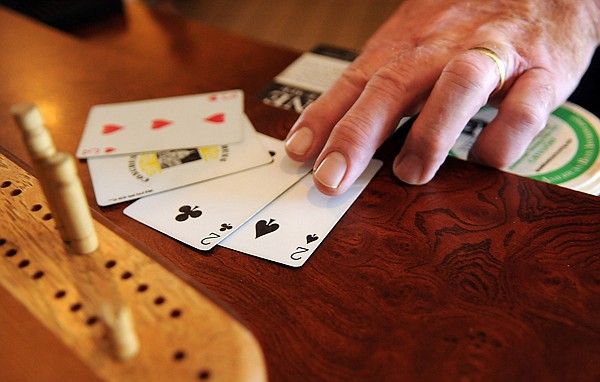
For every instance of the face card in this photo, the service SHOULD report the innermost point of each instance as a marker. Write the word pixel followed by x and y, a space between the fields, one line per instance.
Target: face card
pixel 163 124
pixel 203 214
pixel 291 228
pixel 126 177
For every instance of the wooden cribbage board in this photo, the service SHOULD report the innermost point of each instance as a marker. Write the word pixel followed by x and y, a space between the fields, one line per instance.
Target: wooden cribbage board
pixel 51 325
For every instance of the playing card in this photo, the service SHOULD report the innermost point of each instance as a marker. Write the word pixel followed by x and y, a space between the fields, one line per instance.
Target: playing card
pixel 291 228
pixel 125 177
pixel 203 214
pixel 163 124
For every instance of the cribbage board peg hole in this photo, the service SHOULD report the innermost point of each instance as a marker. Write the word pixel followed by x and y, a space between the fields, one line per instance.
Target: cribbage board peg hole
pixel 38 275
pixel 204 375
pixel 60 294
pixel 176 313
pixel 92 320
pixel 179 355
pixel 126 275
pixel 76 307
pixel 121 332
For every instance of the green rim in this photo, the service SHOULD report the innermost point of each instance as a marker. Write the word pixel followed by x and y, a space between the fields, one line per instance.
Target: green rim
pixel 587 149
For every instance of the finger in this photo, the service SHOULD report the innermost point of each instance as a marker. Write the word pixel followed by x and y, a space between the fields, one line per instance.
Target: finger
pixel 462 89
pixel 522 114
pixel 308 135
pixel 393 90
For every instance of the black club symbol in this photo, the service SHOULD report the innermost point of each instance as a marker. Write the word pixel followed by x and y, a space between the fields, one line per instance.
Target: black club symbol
pixel 225 227
pixel 187 212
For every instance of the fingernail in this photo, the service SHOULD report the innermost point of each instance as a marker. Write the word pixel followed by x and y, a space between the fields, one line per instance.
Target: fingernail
pixel 409 169
pixel 300 141
pixel 332 170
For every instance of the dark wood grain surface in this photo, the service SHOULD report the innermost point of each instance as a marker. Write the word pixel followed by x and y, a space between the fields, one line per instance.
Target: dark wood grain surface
pixel 478 275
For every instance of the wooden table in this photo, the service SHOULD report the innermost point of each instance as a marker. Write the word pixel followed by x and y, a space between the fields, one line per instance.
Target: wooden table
pixel 478 275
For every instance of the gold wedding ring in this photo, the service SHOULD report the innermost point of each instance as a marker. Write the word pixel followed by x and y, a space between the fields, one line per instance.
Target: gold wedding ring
pixel 498 61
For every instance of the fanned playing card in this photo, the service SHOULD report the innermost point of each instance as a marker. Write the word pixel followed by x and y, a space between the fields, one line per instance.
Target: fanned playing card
pixel 203 214
pixel 163 124
pixel 126 177
pixel 291 228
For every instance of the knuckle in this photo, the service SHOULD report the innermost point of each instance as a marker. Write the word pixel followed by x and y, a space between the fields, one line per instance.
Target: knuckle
pixel 431 144
pixel 391 81
pixel 523 119
pixel 355 77
pixel 462 74
pixel 527 117
pixel 355 133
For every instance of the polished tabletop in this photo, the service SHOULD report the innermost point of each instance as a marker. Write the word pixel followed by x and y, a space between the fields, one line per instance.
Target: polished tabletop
pixel 478 275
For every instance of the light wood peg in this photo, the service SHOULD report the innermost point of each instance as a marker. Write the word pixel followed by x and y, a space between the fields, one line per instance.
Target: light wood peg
pixel 40 146
pixel 37 138
pixel 71 203
pixel 61 184
pixel 121 331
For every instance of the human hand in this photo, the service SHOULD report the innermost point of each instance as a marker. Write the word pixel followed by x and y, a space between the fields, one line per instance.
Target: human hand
pixel 422 60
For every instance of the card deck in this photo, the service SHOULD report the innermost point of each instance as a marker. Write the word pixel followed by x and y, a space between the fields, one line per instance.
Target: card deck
pixel 163 124
pixel 291 228
pixel 203 214
pixel 120 178
pixel 303 81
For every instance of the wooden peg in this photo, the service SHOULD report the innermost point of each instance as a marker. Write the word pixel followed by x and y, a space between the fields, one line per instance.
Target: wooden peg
pixel 37 138
pixel 121 332
pixel 71 203
pixel 40 146
pixel 61 184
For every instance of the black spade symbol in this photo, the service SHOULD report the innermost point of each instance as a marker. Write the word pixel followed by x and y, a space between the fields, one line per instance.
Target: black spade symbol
pixel 311 238
pixel 263 228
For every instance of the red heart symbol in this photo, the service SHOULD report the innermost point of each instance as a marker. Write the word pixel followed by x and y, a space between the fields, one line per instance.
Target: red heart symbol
pixel 160 123
pixel 108 129
pixel 216 118
pixel 109 149
pixel 212 98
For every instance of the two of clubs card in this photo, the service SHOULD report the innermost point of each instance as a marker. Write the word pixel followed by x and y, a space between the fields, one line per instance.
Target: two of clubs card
pixel 203 175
